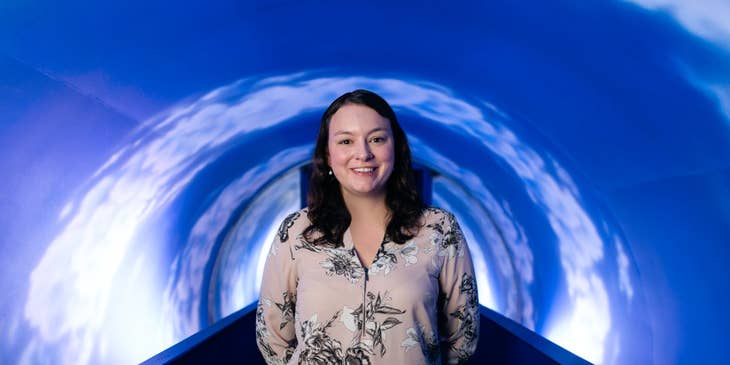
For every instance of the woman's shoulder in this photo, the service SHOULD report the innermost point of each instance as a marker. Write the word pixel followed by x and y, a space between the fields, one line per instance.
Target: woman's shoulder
pixel 293 224
pixel 298 215
pixel 440 219
pixel 433 213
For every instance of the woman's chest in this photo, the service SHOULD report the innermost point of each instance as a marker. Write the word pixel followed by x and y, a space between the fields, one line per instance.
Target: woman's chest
pixel 331 278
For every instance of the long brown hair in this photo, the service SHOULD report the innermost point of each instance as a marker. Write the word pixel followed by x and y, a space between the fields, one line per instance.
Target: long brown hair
pixel 326 207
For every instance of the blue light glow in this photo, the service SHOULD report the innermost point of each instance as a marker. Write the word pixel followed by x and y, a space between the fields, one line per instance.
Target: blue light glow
pixel 156 178
pixel 584 147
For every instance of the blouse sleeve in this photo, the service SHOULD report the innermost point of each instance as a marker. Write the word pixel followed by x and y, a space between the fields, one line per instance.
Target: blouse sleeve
pixel 275 332
pixel 459 309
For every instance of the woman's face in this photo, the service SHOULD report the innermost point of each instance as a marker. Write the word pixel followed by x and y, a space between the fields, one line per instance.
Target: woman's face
pixel 360 150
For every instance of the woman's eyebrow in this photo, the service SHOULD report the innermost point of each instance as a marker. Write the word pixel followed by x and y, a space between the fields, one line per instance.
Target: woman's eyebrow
pixel 378 129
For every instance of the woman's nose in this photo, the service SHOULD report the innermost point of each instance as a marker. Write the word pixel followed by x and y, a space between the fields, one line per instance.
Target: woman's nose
pixel 363 152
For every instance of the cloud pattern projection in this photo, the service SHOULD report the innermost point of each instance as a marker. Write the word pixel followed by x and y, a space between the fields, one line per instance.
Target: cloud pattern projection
pixel 152 248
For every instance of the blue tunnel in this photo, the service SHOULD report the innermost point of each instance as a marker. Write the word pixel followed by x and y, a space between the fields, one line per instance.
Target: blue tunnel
pixel 151 149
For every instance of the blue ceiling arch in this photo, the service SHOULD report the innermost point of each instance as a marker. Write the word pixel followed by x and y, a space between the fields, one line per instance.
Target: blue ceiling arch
pixel 631 102
pixel 196 178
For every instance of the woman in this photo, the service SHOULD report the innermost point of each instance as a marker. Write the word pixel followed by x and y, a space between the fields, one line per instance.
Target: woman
pixel 366 274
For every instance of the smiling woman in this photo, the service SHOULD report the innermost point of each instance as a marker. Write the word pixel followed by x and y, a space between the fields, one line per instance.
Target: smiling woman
pixel 366 272
pixel 360 150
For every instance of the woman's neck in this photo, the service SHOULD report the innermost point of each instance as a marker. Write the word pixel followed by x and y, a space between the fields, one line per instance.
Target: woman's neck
pixel 368 210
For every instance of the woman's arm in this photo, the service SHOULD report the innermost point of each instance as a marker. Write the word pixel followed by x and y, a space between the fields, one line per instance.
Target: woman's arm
pixel 459 307
pixel 275 333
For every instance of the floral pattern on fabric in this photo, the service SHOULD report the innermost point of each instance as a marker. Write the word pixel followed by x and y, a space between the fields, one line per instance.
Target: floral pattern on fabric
pixel 384 262
pixel 319 305
pixel 262 333
pixel 319 347
pixel 467 314
pixel 409 253
pixel 287 308
pixel 288 223
pixel 342 263
pixel 375 327
pixel 446 237
pixel 427 343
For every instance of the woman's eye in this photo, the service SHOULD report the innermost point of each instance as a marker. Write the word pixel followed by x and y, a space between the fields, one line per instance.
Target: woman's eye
pixel 378 139
pixel 344 141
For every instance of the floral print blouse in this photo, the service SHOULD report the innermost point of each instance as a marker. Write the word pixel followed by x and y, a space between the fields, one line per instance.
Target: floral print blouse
pixel 416 304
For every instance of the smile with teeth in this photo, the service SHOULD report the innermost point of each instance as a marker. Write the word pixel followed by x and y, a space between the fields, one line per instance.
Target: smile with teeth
pixel 364 170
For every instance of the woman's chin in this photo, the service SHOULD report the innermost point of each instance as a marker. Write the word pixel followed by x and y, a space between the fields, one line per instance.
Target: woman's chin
pixel 366 191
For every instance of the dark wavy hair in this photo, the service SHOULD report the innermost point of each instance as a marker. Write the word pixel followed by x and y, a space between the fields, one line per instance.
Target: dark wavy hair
pixel 326 208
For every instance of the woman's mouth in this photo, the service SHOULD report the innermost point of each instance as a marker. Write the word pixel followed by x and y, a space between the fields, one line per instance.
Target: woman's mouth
pixel 364 171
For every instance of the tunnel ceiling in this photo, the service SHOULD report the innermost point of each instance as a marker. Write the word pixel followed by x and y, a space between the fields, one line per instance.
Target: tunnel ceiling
pixel 592 167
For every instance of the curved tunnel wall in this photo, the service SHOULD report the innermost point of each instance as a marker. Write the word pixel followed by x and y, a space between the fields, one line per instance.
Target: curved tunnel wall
pixel 585 149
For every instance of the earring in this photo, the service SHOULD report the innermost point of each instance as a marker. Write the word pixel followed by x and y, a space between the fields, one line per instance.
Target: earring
pixel 330 173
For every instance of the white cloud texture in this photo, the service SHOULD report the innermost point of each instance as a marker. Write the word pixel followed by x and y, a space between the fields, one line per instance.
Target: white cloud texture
pixel 143 178
pixel 708 19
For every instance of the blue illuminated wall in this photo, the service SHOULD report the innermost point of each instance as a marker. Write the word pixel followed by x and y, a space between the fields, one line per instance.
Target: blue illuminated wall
pixel 150 149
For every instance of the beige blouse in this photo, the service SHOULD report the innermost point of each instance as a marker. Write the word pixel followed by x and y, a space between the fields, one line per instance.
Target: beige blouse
pixel 419 299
